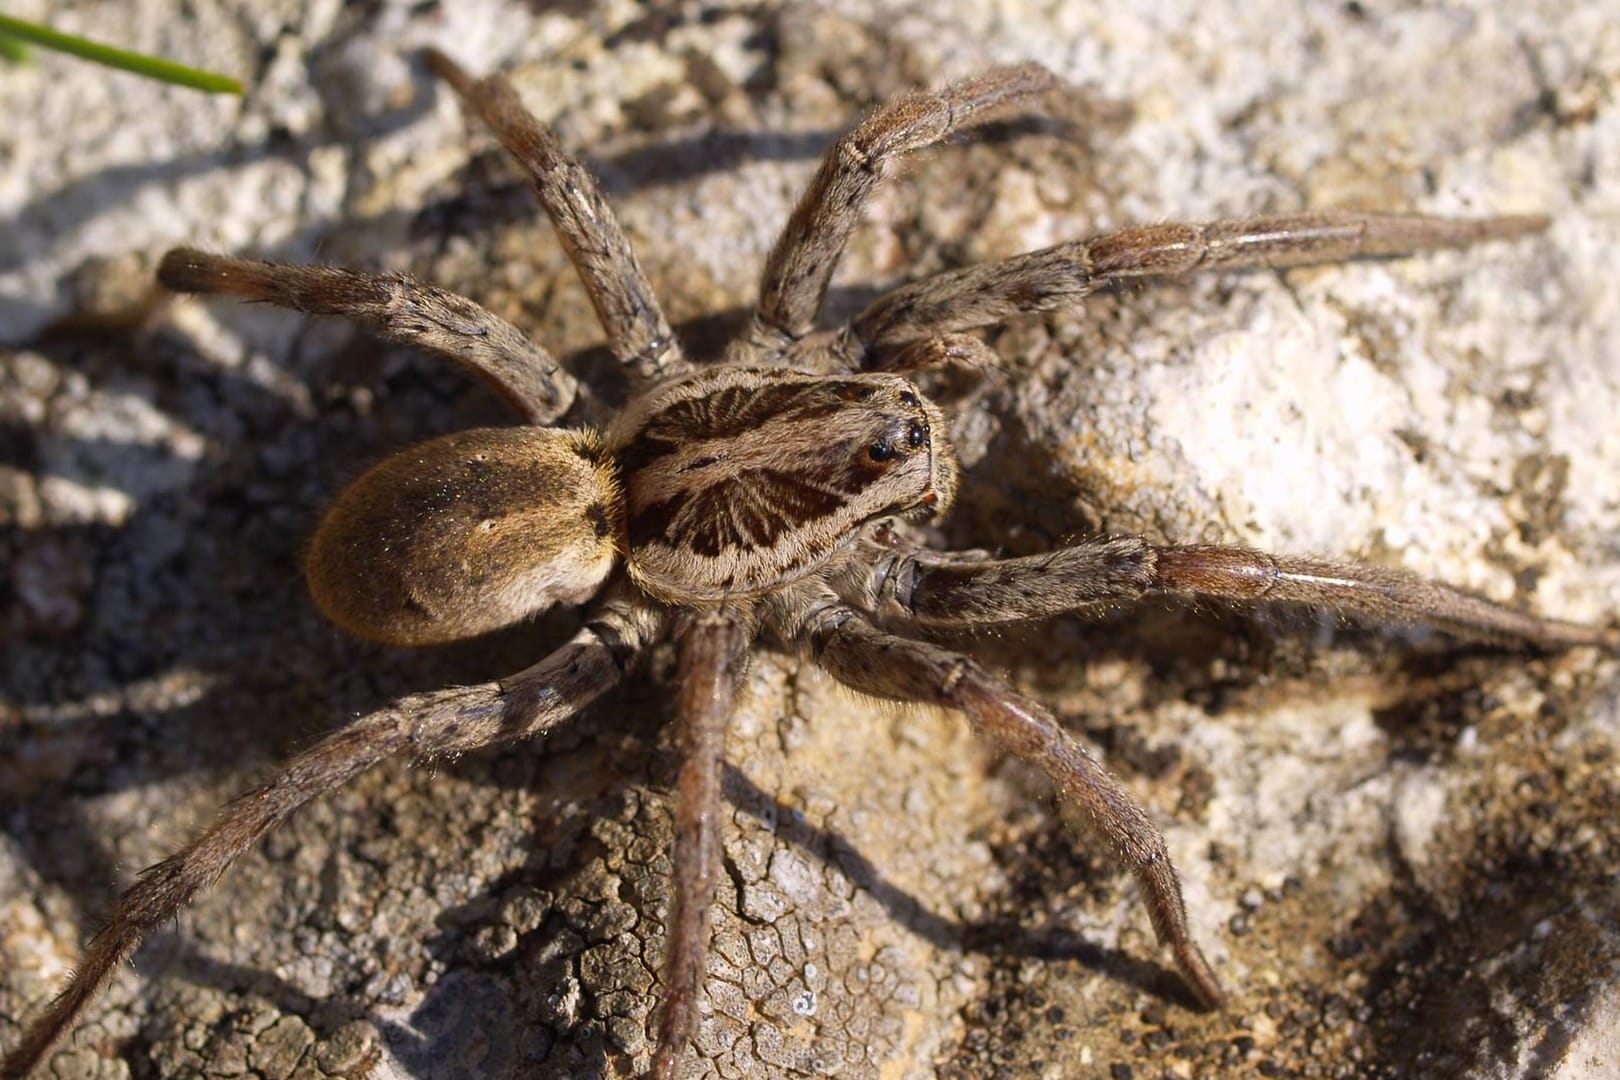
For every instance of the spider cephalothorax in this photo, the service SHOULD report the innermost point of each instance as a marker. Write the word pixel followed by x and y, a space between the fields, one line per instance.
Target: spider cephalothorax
pixel 760 493
pixel 741 480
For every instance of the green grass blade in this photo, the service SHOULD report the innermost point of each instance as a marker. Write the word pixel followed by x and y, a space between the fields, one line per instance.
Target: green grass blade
pixel 153 67
pixel 13 50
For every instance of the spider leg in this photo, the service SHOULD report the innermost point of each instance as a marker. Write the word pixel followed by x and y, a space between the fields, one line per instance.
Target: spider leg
pixel 885 665
pixel 991 293
pixel 964 352
pixel 802 262
pixel 713 655
pixel 638 333
pixel 395 307
pixel 428 725
pixel 1123 569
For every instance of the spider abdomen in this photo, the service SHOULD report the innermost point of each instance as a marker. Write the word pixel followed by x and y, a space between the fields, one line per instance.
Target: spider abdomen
pixel 740 480
pixel 467 533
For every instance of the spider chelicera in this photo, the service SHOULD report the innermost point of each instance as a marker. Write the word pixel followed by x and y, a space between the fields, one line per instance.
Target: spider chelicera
pixel 764 492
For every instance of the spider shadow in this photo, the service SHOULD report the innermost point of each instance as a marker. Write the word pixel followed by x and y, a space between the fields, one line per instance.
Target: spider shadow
pixel 998 937
pixel 195 584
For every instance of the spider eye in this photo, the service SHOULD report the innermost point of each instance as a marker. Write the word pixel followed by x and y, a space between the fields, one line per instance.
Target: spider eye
pixel 880 451
pixel 917 434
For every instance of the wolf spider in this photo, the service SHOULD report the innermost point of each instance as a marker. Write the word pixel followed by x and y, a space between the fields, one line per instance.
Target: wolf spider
pixel 756 494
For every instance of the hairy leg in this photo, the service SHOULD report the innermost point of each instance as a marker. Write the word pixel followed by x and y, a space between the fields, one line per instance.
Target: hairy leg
pixel 713 654
pixel 802 261
pixel 395 307
pixel 991 293
pixel 961 351
pixel 874 662
pixel 426 725
pixel 1122 569
pixel 638 333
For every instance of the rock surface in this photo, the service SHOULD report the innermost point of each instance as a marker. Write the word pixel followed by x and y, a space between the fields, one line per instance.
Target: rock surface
pixel 1401 855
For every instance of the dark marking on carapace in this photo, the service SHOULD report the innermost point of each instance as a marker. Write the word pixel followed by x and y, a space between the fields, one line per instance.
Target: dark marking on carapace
pixel 732 411
pixel 752 510
pixel 643 450
pixel 657 521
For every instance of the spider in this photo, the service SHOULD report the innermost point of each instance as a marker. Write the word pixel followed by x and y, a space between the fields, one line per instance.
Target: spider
pixel 764 493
